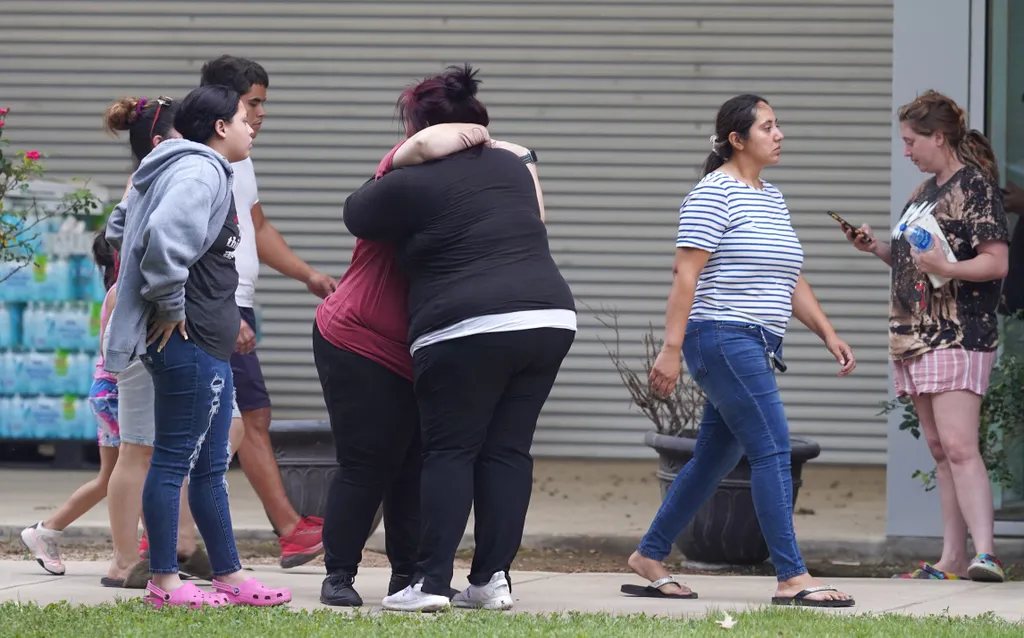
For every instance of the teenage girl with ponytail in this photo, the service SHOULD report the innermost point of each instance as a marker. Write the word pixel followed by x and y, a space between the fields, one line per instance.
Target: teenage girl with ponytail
pixel 943 340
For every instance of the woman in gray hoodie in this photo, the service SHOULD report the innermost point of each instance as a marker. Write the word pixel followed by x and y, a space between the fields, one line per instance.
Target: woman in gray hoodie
pixel 175 310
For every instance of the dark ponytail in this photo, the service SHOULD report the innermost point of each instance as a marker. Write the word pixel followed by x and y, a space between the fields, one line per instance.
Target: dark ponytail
pixel 105 257
pixel 737 115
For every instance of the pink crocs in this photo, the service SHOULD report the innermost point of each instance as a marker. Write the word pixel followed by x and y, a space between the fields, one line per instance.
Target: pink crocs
pixel 188 595
pixel 253 592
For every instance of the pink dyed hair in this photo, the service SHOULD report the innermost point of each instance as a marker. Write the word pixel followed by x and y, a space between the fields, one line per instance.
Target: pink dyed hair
pixel 449 97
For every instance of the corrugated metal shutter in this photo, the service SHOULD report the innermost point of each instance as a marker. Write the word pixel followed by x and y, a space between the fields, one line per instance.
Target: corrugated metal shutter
pixel 618 98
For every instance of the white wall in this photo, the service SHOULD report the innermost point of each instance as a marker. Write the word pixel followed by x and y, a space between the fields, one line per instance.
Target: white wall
pixel 931 50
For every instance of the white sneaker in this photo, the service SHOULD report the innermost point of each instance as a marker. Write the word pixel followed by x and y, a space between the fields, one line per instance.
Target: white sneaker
pixel 494 595
pixel 42 543
pixel 412 598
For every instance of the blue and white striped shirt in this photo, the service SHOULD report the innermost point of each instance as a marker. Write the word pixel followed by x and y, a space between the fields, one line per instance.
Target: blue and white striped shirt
pixel 755 254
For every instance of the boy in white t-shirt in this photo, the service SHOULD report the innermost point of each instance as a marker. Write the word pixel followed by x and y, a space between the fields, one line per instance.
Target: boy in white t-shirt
pixel 300 536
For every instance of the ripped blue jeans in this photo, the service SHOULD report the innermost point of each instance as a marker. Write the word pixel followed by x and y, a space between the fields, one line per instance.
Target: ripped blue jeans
pixel 192 404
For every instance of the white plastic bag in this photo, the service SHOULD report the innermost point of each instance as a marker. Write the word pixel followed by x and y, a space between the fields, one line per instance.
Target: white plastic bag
pixel 920 215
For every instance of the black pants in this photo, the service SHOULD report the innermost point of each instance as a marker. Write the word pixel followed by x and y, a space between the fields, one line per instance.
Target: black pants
pixel 479 399
pixel 376 427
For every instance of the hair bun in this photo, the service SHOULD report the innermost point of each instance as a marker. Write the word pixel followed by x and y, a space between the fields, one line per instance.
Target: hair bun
pixel 461 82
pixel 121 114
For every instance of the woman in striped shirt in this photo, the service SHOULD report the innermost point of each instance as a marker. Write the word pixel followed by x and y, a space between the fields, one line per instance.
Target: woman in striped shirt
pixel 736 282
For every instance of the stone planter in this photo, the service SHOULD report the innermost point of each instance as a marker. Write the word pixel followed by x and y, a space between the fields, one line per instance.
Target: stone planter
pixel 306 457
pixel 725 530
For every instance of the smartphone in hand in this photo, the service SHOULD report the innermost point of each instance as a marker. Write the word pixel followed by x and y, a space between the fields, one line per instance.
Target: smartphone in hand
pixel 845 225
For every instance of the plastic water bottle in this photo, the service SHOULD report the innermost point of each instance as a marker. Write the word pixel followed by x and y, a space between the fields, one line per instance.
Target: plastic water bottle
pixel 18 285
pixel 83 374
pixel 20 378
pixel 7 336
pixel 21 416
pixel 41 373
pixel 63 281
pixel 72 320
pixel 86 420
pixel 8 374
pixel 5 409
pixel 46 419
pixel 917 237
pixel 93 312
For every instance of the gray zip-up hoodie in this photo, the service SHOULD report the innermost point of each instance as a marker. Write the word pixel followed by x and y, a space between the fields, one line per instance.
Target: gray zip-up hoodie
pixel 180 197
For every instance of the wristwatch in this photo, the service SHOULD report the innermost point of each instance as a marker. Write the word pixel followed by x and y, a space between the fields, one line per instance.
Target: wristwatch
pixel 530 156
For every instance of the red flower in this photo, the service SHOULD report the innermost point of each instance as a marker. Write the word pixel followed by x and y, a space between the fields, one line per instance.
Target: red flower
pixel 32 155
pixel 1 122
pixel 5 111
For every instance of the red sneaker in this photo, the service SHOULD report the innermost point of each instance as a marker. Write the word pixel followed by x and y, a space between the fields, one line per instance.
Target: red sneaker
pixel 304 543
pixel 144 546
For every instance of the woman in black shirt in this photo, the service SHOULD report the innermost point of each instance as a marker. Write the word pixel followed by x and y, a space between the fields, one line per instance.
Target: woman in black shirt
pixel 491 320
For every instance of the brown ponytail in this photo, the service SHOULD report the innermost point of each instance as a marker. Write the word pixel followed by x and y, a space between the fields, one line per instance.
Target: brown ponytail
pixel 136 115
pixel 121 114
pixel 975 150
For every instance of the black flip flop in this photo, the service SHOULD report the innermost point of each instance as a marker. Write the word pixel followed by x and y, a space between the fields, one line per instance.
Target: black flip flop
pixel 801 600
pixel 653 590
pixel 116 583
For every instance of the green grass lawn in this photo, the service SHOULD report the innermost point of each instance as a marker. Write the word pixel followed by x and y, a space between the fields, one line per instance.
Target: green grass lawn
pixel 134 619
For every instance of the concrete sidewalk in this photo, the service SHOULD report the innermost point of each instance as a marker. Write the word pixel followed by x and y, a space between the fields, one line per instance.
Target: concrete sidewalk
pixel 605 505
pixel 537 592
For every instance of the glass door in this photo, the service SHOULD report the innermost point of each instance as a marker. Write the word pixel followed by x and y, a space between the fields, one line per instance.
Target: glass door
pixel 1005 129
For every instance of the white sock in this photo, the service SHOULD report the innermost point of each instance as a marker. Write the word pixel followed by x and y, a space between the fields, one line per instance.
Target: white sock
pixel 47 530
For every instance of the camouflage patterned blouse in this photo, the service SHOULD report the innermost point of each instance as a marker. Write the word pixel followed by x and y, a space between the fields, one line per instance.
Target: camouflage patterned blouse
pixel 961 314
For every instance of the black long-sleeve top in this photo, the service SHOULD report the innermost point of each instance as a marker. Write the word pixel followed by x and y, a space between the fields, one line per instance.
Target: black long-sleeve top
pixel 468 234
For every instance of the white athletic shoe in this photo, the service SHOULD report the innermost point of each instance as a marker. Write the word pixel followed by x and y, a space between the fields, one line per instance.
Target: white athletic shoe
pixel 495 595
pixel 42 543
pixel 412 598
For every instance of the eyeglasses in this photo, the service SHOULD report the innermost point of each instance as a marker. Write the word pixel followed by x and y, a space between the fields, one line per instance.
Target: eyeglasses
pixel 161 102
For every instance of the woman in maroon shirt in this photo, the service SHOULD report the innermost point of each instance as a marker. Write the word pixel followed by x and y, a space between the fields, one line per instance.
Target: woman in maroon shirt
pixel 361 350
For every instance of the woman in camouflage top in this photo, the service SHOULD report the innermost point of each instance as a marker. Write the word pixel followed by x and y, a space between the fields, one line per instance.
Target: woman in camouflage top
pixel 943 339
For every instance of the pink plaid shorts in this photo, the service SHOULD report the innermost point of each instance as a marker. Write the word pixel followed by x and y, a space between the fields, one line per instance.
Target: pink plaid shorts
pixel 943 371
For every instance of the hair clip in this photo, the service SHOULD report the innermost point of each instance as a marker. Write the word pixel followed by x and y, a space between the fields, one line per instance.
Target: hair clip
pixel 714 141
pixel 140 105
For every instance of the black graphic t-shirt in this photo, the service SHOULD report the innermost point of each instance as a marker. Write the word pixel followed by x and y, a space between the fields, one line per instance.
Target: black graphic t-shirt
pixel 211 316
pixel 960 314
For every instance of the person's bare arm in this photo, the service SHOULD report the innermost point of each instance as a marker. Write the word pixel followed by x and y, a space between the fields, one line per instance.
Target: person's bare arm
pixel 686 269
pixel 808 311
pixel 991 262
pixel 274 251
pixel 440 140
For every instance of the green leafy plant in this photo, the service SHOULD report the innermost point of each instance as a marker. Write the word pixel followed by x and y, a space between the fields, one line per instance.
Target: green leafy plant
pixel 20 215
pixel 1001 419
